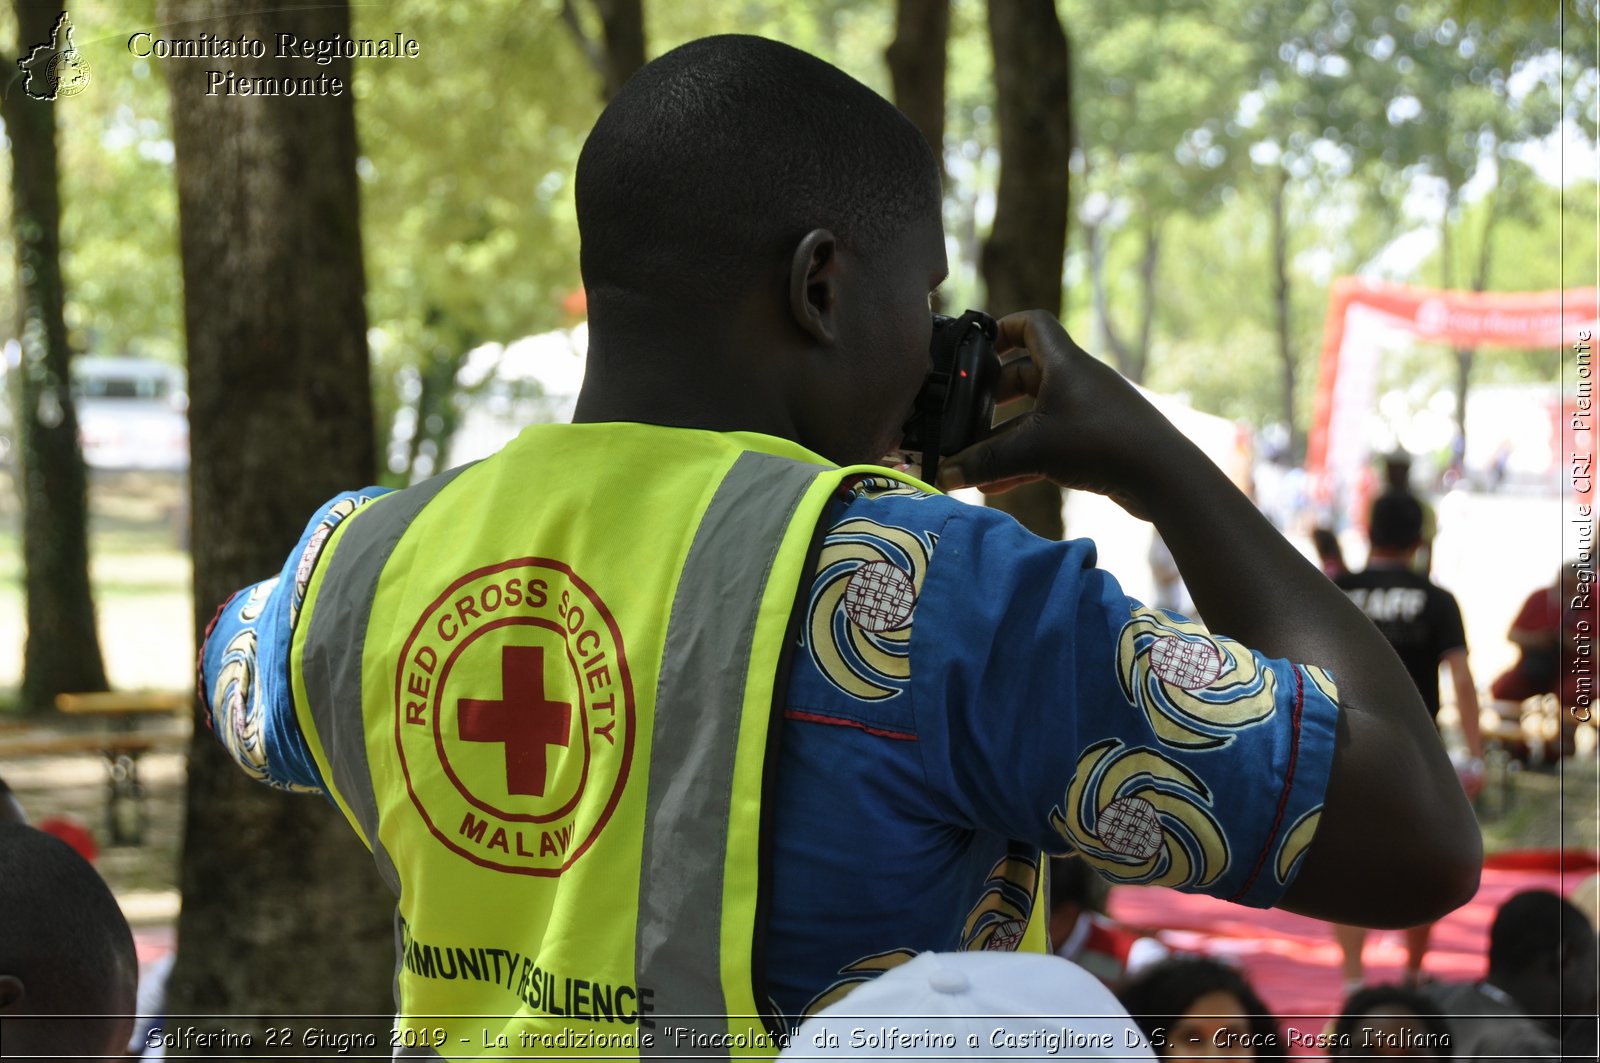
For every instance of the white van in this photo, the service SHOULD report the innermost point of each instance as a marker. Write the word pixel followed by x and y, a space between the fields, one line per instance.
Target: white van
pixel 132 413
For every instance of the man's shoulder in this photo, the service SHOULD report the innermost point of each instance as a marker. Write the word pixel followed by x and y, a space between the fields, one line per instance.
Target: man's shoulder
pixel 1387 576
pixel 1486 1025
pixel 1467 998
pixel 906 504
pixel 869 488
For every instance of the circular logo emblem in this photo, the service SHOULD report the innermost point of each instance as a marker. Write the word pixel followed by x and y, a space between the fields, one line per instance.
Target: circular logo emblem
pixel 879 596
pixel 1186 663
pixel 1129 826
pixel 1007 937
pixel 69 72
pixel 514 716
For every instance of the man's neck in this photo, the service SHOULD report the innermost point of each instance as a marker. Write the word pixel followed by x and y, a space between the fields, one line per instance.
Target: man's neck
pixel 680 404
pixel 662 377
pixel 1389 559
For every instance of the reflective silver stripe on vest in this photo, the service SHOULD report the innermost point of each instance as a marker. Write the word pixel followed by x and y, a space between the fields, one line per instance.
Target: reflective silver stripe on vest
pixel 699 701
pixel 705 666
pixel 402 1050
pixel 334 649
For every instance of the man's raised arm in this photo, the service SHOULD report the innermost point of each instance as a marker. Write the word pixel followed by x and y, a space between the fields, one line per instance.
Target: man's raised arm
pixel 1393 800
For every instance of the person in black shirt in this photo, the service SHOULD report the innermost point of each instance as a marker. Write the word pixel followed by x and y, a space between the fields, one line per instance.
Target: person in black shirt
pixel 1422 621
pixel 1538 999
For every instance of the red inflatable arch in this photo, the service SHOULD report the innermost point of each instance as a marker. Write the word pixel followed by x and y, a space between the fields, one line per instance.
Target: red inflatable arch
pixel 1362 314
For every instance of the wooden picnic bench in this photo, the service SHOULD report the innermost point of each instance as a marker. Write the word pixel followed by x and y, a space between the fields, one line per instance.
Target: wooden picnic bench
pixel 124 706
pixel 120 745
pixel 109 743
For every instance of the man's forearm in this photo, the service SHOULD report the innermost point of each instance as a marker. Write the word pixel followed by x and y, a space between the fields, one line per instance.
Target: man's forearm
pixel 1393 795
pixel 1466 702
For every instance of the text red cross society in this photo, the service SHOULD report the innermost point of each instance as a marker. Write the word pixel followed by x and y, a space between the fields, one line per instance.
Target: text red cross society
pixel 524 719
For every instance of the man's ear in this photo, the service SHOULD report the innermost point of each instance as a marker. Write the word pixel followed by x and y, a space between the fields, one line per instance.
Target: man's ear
pixel 11 991
pixel 813 283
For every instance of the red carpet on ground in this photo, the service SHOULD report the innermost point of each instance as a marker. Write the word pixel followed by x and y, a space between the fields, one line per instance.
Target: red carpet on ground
pixel 1293 962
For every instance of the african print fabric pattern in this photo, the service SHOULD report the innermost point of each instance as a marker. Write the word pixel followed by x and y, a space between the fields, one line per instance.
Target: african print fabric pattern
pixel 246 658
pixel 858 620
pixel 1138 814
pixel 236 693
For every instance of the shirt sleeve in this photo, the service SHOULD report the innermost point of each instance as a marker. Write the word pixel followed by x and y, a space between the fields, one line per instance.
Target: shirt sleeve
pixel 1447 624
pixel 1054 709
pixel 244 662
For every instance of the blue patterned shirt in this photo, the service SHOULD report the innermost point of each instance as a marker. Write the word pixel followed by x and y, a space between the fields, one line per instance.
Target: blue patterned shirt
pixel 966 695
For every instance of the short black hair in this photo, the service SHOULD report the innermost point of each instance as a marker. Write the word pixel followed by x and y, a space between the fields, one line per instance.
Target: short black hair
pixel 63 935
pixel 712 161
pixel 1385 1000
pixel 1395 521
pixel 1532 929
pixel 1158 996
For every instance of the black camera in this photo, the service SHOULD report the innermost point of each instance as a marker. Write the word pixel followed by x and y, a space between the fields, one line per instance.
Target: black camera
pixel 955 407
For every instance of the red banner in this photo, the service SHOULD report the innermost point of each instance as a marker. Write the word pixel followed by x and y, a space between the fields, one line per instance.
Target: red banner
pixel 1460 319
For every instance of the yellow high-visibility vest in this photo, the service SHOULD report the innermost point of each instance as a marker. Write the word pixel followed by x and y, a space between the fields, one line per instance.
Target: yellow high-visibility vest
pixel 541 688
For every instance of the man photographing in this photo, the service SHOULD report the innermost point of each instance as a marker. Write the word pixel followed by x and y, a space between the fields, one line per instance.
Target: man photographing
pixel 687 710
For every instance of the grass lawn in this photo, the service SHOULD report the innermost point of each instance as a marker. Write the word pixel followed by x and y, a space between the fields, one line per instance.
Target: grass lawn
pixel 141 576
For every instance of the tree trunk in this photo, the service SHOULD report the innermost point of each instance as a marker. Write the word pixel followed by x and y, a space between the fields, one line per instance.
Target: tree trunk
pixel 916 59
pixel 62 652
pixel 1463 382
pixel 1465 356
pixel 620 50
pixel 1022 259
pixel 1121 355
pixel 283 914
pixel 1281 306
pixel 622 22
pixel 438 414
pixel 1131 359
pixel 1147 306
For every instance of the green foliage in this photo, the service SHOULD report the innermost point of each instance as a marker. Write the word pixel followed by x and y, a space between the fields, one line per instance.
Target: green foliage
pixel 1548 244
pixel 119 199
pixel 1157 84
pixel 119 230
pixel 851 34
pixel 1220 345
pixel 1186 111
pixel 972 150
pixel 466 162
pixel 1359 102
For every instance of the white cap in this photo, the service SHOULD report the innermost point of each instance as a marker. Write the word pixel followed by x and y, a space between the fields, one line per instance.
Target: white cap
pixel 966 1005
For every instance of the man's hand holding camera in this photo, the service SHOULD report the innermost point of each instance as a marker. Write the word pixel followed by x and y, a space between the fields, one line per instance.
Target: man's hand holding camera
pixel 1088 429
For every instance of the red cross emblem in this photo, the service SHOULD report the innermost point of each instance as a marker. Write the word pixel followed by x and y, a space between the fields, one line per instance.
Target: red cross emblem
pixel 524 719
pixel 566 739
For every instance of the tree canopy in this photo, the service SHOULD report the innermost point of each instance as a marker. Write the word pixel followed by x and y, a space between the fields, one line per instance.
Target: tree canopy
pixel 1389 127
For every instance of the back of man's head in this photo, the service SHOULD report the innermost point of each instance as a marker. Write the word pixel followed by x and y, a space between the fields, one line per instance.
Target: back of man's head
pixel 711 163
pixel 1541 951
pixel 1397 470
pixel 65 950
pixel 1395 522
